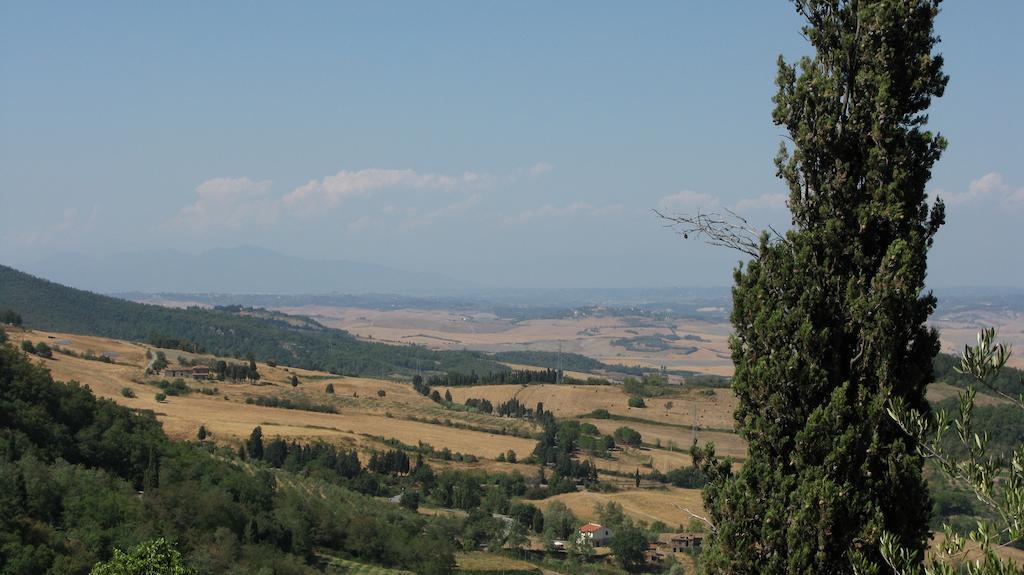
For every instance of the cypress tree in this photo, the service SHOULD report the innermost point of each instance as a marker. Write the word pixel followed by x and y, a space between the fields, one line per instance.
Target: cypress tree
pixel 254 446
pixel 830 318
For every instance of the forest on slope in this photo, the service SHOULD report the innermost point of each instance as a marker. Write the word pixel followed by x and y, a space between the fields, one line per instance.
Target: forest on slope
pixel 227 331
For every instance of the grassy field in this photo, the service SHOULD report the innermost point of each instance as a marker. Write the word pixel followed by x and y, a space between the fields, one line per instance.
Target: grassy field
pixel 352 568
pixel 666 505
pixel 588 335
pixel 364 417
pixel 714 406
pixel 479 562
pixel 361 413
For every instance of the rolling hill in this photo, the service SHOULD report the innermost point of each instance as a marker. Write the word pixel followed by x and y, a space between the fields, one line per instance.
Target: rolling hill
pixel 227 331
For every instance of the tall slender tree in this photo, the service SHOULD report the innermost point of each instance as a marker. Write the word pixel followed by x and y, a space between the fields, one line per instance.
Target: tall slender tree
pixel 830 318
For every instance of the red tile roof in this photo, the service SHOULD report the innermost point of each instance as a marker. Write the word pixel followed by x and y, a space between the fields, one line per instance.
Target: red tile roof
pixel 590 528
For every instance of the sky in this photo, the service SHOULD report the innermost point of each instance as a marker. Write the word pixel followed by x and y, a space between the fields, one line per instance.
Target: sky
pixel 515 144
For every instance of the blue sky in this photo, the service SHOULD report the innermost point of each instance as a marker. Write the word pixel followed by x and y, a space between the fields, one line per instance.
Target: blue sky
pixel 515 144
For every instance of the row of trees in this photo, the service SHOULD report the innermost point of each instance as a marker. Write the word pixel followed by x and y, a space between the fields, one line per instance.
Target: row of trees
pixel 42 349
pixel 514 377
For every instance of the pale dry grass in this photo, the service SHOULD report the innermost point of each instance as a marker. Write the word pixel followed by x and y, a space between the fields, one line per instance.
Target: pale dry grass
pixel 974 551
pixel 940 391
pixel 714 407
pixel 642 505
pixel 232 419
pixel 960 329
pixel 591 336
pixel 480 561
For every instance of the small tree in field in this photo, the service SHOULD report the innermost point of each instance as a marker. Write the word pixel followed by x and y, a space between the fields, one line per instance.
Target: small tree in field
pixel 44 350
pixel 996 479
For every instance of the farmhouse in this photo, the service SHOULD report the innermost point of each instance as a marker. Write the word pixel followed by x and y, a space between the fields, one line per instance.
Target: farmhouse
pixel 594 535
pixel 653 554
pixel 197 372
pixel 680 542
pixel 177 371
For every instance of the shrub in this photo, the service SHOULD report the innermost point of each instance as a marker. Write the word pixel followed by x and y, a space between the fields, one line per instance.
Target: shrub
pixel 127 392
pixel 161 397
pixel 329 388
pixel 628 436
pixel 637 401
pixel 410 500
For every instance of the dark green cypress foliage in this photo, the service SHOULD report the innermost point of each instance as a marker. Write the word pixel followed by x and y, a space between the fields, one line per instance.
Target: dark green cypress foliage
pixel 254 446
pixel 830 319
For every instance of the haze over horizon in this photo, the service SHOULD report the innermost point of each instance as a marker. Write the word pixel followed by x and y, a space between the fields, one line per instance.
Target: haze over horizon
pixel 516 146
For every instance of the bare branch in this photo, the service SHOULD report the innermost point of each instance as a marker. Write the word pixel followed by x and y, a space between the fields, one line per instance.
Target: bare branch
pixel 727 229
pixel 697 517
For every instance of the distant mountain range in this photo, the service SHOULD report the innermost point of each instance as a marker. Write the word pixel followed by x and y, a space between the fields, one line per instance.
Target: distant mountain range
pixel 247 270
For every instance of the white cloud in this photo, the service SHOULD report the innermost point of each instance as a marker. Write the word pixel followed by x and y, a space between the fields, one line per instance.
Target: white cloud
pixel 229 203
pixel 575 209
pixel 762 202
pixel 317 195
pixel 988 188
pixel 233 203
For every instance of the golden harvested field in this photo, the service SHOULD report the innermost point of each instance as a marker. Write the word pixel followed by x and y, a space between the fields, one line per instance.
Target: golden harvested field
pixel 941 391
pixel 629 460
pixel 231 418
pixel 974 551
pixel 714 407
pixel 726 444
pixel 401 414
pixel 588 335
pixel 643 505
pixel 592 336
pixel 960 329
